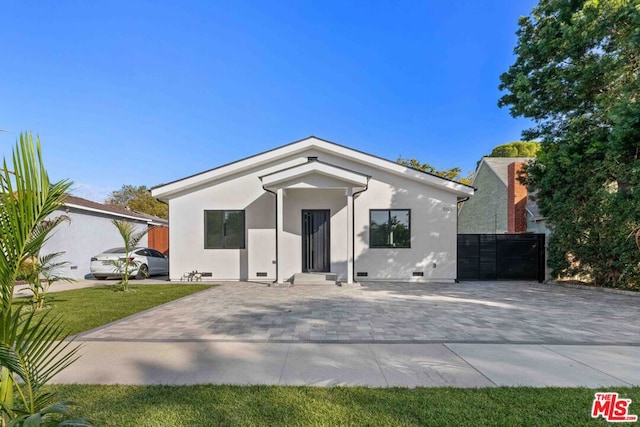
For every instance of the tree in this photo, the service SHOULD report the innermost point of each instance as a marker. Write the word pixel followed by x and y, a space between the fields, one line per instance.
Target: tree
pixel 130 238
pixel 32 350
pixel 516 149
pixel 577 76
pixel 138 199
pixel 452 174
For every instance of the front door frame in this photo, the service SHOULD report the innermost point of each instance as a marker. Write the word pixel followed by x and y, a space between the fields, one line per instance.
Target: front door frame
pixel 325 237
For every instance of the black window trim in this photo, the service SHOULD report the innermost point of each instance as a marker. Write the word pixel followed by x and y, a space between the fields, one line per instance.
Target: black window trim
pixel 244 228
pixel 389 246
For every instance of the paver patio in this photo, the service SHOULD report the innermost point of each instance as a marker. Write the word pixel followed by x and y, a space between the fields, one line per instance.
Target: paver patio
pixel 469 312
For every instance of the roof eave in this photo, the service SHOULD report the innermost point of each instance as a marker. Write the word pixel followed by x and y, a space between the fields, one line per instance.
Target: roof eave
pixel 106 212
pixel 166 191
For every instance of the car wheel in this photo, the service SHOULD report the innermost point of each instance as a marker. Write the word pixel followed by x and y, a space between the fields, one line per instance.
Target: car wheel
pixel 143 272
pixel 100 277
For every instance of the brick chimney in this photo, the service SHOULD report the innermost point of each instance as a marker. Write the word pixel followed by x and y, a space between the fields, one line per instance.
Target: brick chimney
pixel 516 200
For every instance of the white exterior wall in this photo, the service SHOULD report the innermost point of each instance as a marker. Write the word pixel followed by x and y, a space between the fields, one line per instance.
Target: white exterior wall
pixel 186 233
pixel 86 234
pixel 433 226
pixel 295 201
pixel 433 232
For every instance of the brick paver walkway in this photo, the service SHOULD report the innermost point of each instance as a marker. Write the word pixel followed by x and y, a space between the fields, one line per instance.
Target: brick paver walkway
pixel 482 312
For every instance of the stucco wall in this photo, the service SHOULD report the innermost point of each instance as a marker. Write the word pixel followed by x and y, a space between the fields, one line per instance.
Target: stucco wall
pixel 294 202
pixel 486 211
pixel 186 231
pixel 433 231
pixel 86 234
pixel 433 227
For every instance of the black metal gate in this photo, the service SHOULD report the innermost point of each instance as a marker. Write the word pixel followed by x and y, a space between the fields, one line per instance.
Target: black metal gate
pixel 501 257
pixel 315 241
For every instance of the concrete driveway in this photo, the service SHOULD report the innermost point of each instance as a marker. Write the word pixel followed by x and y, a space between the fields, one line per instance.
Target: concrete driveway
pixel 469 312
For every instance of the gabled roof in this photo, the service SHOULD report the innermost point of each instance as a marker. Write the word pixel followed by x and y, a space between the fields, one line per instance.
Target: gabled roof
pixel 499 165
pixel 165 191
pixel 315 167
pixel 87 205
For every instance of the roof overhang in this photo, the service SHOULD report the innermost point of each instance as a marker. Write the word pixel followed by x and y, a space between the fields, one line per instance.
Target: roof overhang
pixel 105 212
pixel 314 174
pixel 167 191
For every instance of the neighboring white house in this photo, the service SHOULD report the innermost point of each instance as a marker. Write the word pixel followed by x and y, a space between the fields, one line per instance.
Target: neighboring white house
pixel 88 232
pixel 313 206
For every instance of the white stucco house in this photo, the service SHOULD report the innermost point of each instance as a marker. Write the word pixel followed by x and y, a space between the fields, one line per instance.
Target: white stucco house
pixel 313 206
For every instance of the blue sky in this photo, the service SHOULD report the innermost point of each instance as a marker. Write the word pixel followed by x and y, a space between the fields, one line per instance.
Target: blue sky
pixel 146 92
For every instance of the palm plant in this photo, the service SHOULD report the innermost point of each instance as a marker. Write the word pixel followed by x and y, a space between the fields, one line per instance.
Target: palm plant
pixel 32 350
pixel 43 274
pixel 130 237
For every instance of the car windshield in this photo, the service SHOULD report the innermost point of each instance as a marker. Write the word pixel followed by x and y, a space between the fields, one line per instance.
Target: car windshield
pixel 114 251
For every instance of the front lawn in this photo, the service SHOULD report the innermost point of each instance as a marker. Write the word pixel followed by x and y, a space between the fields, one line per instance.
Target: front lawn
pixel 87 308
pixel 209 405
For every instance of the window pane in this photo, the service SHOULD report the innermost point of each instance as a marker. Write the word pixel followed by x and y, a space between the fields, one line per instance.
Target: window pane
pixel 155 253
pixel 379 228
pixel 213 230
pixel 400 236
pixel 390 228
pixel 234 229
pixel 114 251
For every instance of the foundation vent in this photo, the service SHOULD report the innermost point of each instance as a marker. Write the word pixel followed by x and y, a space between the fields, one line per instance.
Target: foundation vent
pixel 206 274
pixel 362 274
pixel 261 274
pixel 418 273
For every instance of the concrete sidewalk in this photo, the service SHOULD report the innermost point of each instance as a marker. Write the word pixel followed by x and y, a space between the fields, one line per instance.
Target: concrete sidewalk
pixel 375 365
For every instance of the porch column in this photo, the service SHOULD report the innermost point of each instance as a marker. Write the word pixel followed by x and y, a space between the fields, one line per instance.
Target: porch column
pixel 279 233
pixel 349 235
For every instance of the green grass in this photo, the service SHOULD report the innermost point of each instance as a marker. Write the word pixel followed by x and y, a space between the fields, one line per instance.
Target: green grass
pixel 88 308
pixel 208 405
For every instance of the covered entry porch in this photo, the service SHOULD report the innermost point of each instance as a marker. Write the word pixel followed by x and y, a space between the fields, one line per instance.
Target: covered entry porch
pixel 315 218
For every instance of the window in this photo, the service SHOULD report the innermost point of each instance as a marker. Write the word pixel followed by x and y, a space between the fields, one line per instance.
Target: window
pixel 155 253
pixel 224 229
pixel 390 228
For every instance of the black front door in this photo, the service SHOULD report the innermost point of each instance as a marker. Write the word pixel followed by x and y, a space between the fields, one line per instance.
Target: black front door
pixel 315 241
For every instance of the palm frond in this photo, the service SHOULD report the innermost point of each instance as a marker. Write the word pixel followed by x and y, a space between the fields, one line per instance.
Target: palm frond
pixel 28 199
pixel 42 348
pixel 33 350
pixel 41 233
pixel 46 259
pixel 49 269
pixel 130 236
pixel 135 239
pixel 9 359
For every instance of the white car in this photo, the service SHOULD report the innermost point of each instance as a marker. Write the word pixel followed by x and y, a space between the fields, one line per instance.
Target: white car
pixel 144 262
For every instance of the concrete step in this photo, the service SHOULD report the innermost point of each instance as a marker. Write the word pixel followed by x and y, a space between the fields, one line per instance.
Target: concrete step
pixel 315 278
